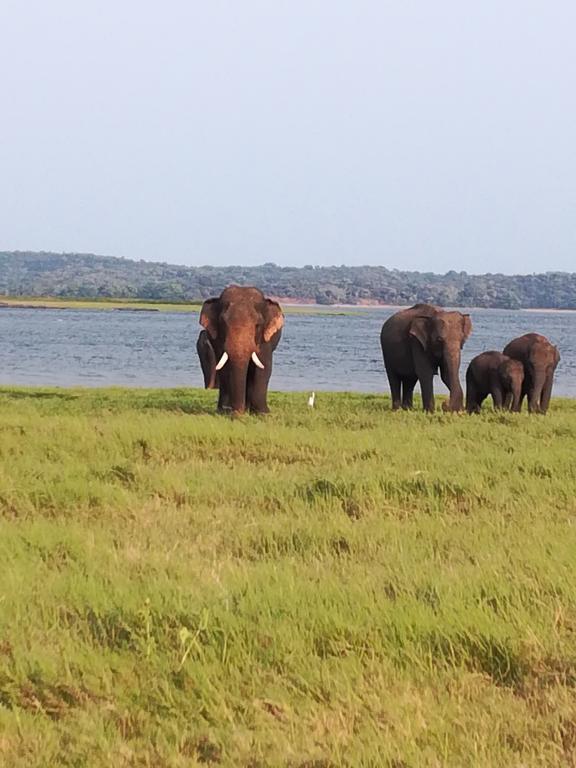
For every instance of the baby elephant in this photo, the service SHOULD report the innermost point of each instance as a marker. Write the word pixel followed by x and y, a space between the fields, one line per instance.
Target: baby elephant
pixel 493 373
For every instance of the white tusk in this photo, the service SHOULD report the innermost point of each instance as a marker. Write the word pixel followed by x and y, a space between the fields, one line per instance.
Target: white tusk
pixel 256 360
pixel 222 362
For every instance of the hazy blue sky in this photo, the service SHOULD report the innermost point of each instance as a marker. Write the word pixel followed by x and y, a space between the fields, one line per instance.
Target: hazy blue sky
pixel 419 135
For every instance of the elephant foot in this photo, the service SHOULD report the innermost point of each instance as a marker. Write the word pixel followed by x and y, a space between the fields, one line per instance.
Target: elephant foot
pixel 230 412
pixel 448 407
pixel 260 411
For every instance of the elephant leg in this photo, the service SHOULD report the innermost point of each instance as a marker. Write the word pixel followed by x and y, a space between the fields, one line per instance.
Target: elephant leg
pixel 472 405
pixel 480 400
pixel 425 373
pixel 207 360
pixel 257 388
pixel 546 393
pixel 408 384
pixel 495 389
pixel 223 400
pixel 497 397
pixel 523 396
pixel 533 400
pixel 427 390
pixel 515 398
pixel 395 388
pixel 224 396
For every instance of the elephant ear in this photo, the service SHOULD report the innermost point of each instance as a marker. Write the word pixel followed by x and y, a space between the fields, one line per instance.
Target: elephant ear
pixel 209 317
pixel 419 329
pixel 556 356
pixel 273 319
pixel 466 327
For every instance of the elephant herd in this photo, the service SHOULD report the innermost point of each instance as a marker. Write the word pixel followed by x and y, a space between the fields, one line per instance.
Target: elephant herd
pixel 242 328
pixel 424 340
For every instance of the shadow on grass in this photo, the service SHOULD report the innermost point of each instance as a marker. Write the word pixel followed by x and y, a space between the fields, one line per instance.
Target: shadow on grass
pixel 117 400
pixel 190 409
pixel 494 657
pixel 16 394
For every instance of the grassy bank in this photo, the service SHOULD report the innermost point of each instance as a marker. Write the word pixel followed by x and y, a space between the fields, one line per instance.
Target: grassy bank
pixel 342 587
pixel 135 305
pixel 139 305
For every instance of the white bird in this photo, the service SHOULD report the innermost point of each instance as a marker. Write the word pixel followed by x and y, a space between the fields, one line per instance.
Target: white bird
pixel 311 400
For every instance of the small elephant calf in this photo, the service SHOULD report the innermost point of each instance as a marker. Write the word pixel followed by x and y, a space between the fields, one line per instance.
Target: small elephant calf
pixel 493 373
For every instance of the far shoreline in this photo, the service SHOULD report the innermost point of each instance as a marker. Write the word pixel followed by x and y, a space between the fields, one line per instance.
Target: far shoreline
pixel 153 305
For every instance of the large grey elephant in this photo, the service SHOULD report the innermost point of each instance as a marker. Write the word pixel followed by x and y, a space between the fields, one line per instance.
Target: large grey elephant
pixel 243 329
pixel 539 358
pixel 416 343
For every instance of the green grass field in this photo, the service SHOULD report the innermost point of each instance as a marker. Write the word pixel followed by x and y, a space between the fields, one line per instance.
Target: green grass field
pixel 342 587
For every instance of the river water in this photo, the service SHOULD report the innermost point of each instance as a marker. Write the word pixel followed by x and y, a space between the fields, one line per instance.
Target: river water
pixel 335 351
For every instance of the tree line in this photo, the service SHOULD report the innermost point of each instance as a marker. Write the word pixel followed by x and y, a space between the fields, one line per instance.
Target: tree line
pixel 73 275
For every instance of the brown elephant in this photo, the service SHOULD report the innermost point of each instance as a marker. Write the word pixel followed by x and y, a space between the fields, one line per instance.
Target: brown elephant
pixel 492 373
pixel 207 360
pixel 539 358
pixel 416 342
pixel 243 328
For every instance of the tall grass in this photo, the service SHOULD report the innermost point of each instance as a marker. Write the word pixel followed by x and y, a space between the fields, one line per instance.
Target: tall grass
pixel 337 587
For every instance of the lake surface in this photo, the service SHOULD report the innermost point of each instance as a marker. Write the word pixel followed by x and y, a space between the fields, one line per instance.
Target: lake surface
pixel 158 349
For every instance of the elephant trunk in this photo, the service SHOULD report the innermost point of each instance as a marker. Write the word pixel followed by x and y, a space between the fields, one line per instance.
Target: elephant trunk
pixel 237 372
pixel 239 352
pixel 449 369
pixel 515 398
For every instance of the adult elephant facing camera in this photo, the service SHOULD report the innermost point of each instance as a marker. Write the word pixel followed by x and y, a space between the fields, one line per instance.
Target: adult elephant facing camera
pixel 416 343
pixel 244 329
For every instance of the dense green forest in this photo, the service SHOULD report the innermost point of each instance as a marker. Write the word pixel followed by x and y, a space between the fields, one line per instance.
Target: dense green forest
pixel 89 276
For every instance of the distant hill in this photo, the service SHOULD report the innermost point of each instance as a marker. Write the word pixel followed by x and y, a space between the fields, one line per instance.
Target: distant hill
pixel 89 276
